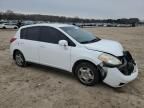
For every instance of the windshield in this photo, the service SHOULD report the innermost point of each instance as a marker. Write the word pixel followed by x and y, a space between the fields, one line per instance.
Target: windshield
pixel 80 35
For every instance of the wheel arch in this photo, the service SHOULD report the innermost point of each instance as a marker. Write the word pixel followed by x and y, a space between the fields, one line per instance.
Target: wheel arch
pixel 80 61
pixel 15 52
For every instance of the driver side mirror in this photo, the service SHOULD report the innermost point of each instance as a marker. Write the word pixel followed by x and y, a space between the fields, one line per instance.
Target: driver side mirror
pixel 63 43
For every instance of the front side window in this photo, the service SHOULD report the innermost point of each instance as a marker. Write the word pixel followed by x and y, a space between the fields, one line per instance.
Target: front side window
pixel 80 35
pixel 52 35
pixel 30 33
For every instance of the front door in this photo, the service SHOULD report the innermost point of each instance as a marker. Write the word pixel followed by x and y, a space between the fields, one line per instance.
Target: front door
pixel 50 52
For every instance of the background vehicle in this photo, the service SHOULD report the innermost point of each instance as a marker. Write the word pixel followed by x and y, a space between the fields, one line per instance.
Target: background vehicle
pixel 69 48
pixel 8 26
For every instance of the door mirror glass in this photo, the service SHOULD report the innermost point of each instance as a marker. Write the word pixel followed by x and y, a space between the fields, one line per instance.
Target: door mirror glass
pixel 63 43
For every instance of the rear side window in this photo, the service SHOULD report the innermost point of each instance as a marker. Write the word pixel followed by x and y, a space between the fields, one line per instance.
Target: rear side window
pixel 30 33
pixel 52 35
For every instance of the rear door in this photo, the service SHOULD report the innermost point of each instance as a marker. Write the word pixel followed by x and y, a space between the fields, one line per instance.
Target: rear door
pixel 51 53
pixel 29 43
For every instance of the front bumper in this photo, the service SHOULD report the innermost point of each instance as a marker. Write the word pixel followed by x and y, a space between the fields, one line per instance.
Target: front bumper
pixel 115 78
pixel 120 75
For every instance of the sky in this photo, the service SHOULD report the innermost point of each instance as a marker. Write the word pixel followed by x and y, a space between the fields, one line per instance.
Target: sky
pixel 98 9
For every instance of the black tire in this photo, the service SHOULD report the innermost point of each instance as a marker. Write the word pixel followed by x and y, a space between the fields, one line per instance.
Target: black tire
pixel 15 27
pixel 4 27
pixel 93 74
pixel 19 59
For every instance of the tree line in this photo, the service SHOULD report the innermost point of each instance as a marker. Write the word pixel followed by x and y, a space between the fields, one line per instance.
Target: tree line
pixel 10 15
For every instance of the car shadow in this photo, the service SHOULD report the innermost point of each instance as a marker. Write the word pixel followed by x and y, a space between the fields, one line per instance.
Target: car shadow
pixel 52 70
pixel 70 76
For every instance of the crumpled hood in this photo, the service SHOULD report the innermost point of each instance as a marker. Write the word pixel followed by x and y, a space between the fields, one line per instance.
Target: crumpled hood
pixel 108 46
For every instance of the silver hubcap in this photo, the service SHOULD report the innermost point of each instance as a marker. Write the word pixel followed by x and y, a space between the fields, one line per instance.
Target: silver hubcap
pixel 86 75
pixel 19 59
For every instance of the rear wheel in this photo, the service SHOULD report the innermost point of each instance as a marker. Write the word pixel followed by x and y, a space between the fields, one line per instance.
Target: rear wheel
pixel 19 59
pixel 87 73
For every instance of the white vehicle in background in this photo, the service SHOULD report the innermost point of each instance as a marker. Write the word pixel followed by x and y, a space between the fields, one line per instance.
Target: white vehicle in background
pixel 70 48
pixel 8 26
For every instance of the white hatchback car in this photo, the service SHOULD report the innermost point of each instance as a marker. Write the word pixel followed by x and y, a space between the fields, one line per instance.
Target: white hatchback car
pixel 8 26
pixel 70 48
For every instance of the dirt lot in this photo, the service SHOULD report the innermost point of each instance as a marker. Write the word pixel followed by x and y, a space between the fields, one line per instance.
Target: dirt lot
pixel 42 87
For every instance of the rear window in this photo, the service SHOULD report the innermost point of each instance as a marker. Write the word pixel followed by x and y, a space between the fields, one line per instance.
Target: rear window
pixel 30 33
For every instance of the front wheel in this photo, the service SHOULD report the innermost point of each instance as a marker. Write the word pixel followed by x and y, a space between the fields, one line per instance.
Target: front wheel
pixel 15 27
pixel 19 59
pixel 87 73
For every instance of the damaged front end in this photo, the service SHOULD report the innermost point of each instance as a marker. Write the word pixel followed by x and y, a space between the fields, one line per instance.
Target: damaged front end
pixel 117 76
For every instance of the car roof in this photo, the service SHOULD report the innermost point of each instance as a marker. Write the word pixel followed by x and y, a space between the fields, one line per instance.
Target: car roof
pixel 55 25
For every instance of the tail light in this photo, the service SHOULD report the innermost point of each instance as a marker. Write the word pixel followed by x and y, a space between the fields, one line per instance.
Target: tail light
pixel 12 40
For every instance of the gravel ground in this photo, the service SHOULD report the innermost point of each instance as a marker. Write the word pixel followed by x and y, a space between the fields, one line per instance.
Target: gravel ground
pixel 44 87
